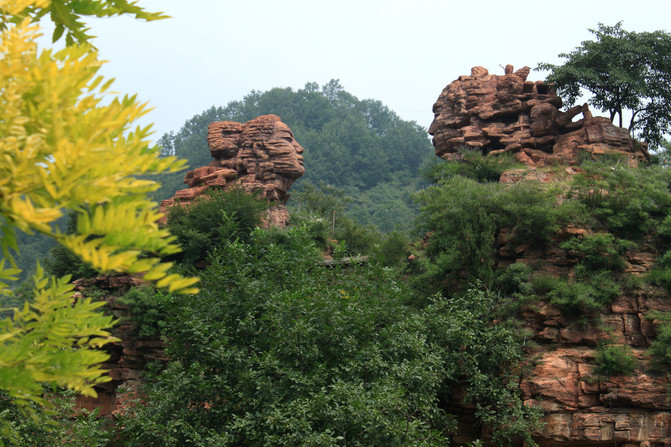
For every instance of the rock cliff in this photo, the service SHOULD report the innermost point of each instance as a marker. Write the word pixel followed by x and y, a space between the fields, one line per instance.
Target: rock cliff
pixel 581 410
pixel 497 114
pixel 507 113
pixel 129 356
pixel 259 155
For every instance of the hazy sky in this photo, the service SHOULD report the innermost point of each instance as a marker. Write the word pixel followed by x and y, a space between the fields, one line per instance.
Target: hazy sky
pixel 402 53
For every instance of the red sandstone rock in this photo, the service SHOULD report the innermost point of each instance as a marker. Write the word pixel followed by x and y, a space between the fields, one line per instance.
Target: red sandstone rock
pixel 128 356
pixel 259 155
pixel 507 113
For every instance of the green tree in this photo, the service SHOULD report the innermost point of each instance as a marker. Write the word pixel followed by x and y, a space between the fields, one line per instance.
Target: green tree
pixel 65 145
pixel 278 350
pixel 623 70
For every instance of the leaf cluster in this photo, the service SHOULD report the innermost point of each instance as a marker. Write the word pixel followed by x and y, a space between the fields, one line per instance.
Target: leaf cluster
pixel 464 219
pixel 37 342
pixel 66 144
pixel 613 360
pixel 660 348
pixel 67 15
pixel 213 219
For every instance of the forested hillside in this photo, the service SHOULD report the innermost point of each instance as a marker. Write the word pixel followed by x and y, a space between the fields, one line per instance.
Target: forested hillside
pixel 358 146
pixel 359 156
pixel 530 308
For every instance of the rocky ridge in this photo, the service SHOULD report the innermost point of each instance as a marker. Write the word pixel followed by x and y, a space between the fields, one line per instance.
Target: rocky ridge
pixel 129 356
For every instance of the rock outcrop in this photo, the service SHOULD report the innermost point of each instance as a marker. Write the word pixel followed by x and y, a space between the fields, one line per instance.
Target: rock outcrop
pixel 507 113
pixel 497 114
pixel 129 356
pixel 259 155
pixel 579 408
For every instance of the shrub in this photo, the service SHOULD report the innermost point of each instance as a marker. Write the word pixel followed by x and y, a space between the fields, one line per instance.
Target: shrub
pixel 544 284
pixel 462 218
pixel 600 251
pixel 213 219
pixel 529 210
pixel 514 280
pixel 473 165
pixel 660 348
pixel 277 350
pixel 393 249
pixel 58 425
pixel 627 202
pixel 613 360
pixel 661 273
pixel 575 298
pixel 149 308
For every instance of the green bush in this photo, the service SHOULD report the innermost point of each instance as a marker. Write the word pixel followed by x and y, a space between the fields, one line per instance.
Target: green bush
pixel 473 165
pixel 575 298
pixel 359 240
pixel 660 348
pixel 464 218
pixel 583 295
pixel 393 250
pixel 278 350
pixel 613 360
pixel 213 219
pixel 149 308
pixel 661 273
pixel 58 425
pixel 544 284
pixel 514 280
pixel 528 209
pixel 625 201
pixel 600 251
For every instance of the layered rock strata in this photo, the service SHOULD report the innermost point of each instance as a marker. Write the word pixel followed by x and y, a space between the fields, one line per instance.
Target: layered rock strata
pixel 260 155
pixel 128 357
pixel 507 113
pixel 581 409
pixel 497 114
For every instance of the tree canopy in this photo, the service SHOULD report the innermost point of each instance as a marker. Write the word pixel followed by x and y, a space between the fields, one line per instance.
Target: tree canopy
pixel 624 71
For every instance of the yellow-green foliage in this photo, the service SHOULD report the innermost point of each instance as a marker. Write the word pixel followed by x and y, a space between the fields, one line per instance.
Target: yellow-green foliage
pixel 63 147
pixel 66 144
pixel 37 343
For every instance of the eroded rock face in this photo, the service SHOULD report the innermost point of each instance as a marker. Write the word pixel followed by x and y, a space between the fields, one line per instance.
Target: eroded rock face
pixel 128 357
pixel 259 155
pixel 579 409
pixel 507 113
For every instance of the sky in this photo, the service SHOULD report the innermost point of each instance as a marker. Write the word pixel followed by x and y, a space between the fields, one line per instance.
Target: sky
pixel 402 53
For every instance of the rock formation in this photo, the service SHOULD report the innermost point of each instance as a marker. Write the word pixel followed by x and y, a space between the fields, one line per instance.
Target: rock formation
pixel 580 411
pixel 259 155
pixel 128 357
pixel 507 113
pixel 497 114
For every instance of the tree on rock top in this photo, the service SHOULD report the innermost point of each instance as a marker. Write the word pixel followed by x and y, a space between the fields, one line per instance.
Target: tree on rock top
pixel 624 71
